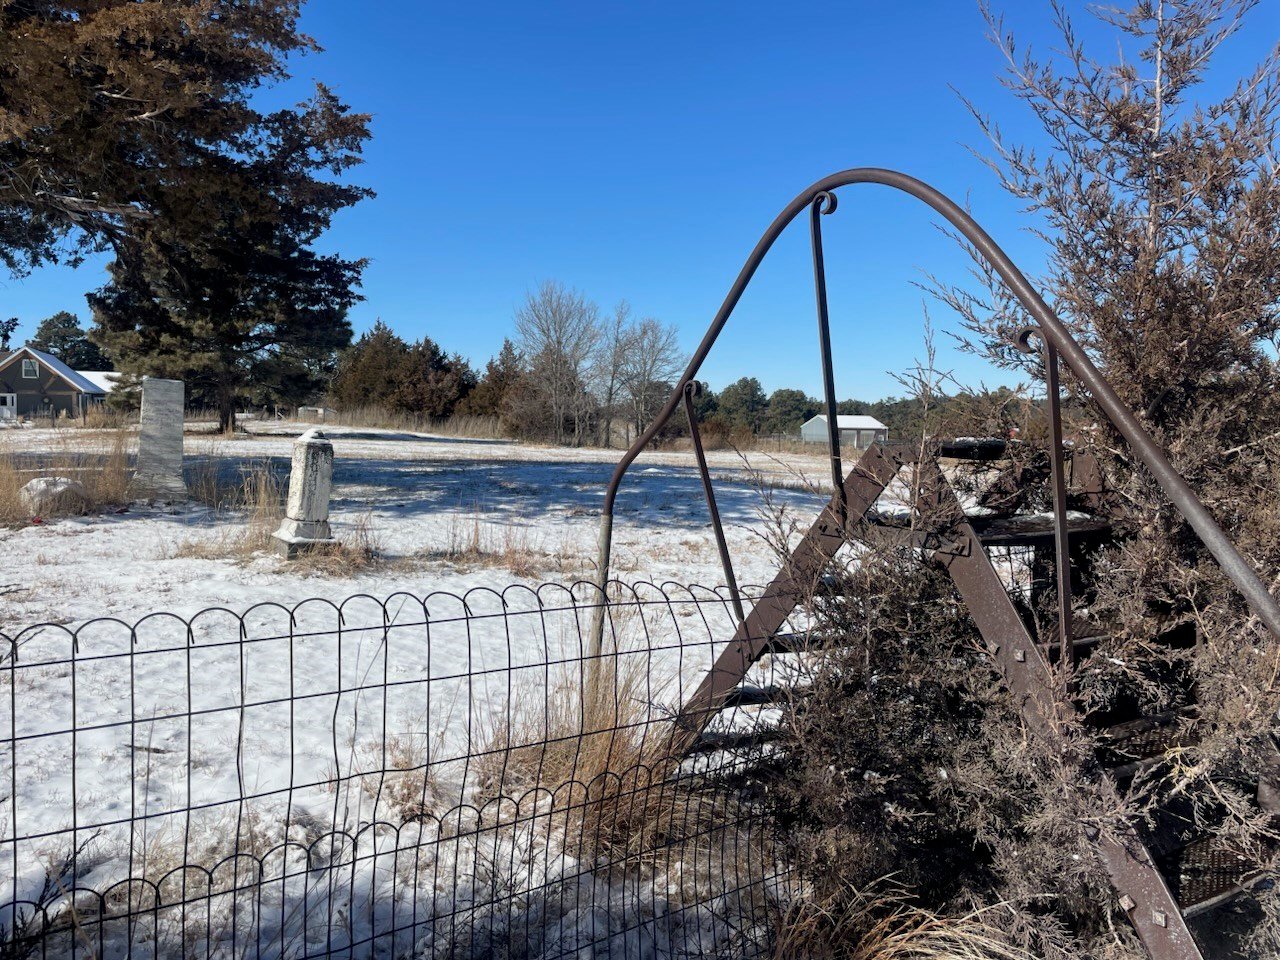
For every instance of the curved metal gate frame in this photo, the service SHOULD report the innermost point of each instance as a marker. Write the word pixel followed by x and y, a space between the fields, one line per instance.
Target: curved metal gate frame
pixel 1143 894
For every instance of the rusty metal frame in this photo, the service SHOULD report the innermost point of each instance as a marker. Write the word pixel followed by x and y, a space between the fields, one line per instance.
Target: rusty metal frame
pixel 794 583
pixel 1054 332
pixel 1039 687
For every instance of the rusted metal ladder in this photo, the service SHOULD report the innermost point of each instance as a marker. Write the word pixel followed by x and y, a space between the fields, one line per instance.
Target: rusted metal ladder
pixel 1157 890
pixel 961 544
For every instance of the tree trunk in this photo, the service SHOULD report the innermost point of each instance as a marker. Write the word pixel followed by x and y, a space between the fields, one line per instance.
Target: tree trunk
pixel 226 411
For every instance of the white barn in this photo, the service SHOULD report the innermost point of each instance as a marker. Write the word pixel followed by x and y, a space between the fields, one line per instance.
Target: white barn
pixel 855 431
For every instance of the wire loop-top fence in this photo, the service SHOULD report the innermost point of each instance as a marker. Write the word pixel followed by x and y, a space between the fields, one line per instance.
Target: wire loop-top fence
pixel 439 776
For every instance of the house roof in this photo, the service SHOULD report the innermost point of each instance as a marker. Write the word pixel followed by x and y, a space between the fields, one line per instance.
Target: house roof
pixel 104 380
pixel 81 383
pixel 852 422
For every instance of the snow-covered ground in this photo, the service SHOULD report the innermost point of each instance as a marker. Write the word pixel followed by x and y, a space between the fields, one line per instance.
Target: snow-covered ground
pixel 300 702
pixel 417 494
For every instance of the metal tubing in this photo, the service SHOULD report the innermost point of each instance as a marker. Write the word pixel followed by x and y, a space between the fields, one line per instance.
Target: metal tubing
pixel 690 391
pixel 1057 471
pixel 1121 417
pixel 1060 533
pixel 825 203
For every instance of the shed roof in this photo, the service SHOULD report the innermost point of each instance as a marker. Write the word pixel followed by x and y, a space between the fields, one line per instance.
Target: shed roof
pixel 852 422
pixel 81 383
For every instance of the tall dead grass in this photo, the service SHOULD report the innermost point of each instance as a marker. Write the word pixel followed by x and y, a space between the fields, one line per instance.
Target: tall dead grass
pixel 472 542
pixel 102 470
pixel 251 509
pixel 882 924
pixel 592 748
pixel 381 418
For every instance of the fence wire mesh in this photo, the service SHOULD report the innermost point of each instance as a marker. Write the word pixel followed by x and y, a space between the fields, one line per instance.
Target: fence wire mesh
pixel 439 776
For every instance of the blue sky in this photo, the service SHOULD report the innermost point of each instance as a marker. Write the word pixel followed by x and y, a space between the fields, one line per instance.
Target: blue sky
pixel 638 150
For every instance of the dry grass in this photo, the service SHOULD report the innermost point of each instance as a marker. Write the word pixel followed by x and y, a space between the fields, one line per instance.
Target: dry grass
pixel 883 924
pixel 259 500
pixel 103 473
pixel 103 417
pixel 471 542
pixel 397 774
pixel 251 510
pixel 358 550
pixel 590 746
pixel 380 418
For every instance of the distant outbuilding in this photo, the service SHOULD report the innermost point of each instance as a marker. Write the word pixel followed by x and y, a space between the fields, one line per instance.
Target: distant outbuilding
pixel 855 430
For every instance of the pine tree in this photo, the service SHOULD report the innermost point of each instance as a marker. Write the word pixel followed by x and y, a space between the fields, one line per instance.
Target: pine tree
pixel 742 404
pixel 501 374
pixel 130 126
pixel 62 336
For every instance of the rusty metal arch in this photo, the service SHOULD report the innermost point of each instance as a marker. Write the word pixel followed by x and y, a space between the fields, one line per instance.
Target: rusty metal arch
pixel 819 197
pixel 1142 890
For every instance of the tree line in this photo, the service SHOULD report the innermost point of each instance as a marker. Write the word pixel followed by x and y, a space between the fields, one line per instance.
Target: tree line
pixel 135 130
pixel 576 375
pixel 572 375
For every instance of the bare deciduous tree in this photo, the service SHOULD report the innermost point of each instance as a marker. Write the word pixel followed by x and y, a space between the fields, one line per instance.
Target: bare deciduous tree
pixel 607 371
pixel 559 330
pixel 652 360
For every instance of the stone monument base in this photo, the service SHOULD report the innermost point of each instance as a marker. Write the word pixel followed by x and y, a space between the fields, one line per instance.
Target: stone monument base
pixel 300 536
pixel 292 549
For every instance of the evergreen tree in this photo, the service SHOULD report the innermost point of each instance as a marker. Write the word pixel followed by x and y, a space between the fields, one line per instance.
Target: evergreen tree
pixel 787 410
pixel 431 383
pixel 501 375
pixel 382 370
pixel 110 108
pixel 131 126
pixel 62 336
pixel 368 371
pixel 743 404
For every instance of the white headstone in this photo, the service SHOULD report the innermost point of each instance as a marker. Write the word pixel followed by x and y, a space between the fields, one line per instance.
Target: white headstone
pixel 159 471
pixel 306 521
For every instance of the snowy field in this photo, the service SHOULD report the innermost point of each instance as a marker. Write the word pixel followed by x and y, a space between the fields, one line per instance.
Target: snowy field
pixel 275 707
pixel 417 494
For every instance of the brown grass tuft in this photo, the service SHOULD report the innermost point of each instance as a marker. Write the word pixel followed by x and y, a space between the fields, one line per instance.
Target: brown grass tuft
pixel 103 473
pixel 358 550
pixel 473 543
pixel 882 924
pixel 259 497
pixel 591 746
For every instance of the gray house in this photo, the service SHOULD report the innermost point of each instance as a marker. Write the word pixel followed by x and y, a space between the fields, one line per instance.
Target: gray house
pixel 855 431
pixel 38 384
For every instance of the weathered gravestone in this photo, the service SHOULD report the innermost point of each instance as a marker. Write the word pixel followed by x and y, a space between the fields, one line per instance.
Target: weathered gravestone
pixel 159 471
pixel 306 521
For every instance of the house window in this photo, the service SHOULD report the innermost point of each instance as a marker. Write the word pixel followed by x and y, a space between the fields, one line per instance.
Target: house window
pixel 30 370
